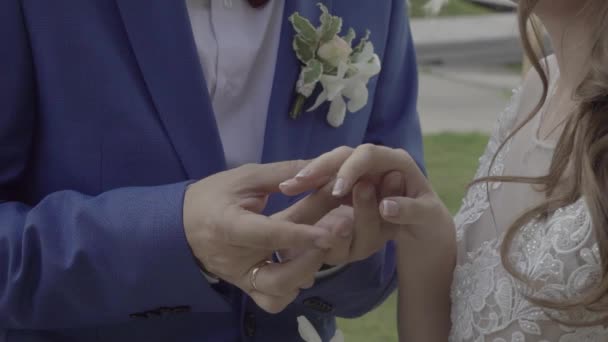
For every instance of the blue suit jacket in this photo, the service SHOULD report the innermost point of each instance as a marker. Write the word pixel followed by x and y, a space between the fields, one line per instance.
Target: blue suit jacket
pixel 104 119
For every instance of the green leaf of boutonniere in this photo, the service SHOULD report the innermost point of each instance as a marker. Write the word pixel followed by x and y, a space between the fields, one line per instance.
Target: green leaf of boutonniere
pixel 359 48
pixel 309 77
pixel 312 73
pixel 330 25
pixel 305 51
pixel 304 28
pixel 350 36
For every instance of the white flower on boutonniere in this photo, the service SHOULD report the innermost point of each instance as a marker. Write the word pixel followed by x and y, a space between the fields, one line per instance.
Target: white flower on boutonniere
pixel 310 334
pixel 329 59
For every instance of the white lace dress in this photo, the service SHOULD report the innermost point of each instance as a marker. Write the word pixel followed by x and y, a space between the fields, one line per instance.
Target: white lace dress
pixel 561 252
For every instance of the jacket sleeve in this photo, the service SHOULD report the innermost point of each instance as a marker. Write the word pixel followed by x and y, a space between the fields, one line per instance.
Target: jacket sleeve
pixel 74 260
pixel 360 287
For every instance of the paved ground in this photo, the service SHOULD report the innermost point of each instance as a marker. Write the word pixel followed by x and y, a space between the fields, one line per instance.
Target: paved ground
pixel 463 100
pixel 463 83
pixel 467 40
pixel 463 29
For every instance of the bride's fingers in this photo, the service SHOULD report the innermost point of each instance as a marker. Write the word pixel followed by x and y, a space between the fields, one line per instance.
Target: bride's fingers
pixel 318 173
pixel 368 235
pixel 374 160
pixel 393 185
pixel 410 211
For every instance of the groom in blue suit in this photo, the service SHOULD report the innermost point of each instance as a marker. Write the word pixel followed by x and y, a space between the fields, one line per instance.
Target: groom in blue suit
pixel 123 128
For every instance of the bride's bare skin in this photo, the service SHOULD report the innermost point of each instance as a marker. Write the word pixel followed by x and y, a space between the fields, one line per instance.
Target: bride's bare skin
pixel 416 219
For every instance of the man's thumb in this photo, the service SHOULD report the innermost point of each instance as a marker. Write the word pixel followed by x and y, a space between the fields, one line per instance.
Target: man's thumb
pixel 265 178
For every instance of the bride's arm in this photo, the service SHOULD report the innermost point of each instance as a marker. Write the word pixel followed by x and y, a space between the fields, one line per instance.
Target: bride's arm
pixel 425 277
pixel 419 222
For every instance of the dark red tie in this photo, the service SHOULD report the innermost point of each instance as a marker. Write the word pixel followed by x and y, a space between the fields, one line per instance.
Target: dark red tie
pixel 257 3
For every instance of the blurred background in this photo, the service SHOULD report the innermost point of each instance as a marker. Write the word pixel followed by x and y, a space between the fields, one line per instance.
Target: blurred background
pixel 470 60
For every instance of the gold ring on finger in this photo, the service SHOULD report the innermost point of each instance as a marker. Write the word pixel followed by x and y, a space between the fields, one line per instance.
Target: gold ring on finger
pixel 253 276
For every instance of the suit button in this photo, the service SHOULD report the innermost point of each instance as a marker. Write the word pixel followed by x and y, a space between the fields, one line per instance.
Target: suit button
pixel 250 325
pixel 318 304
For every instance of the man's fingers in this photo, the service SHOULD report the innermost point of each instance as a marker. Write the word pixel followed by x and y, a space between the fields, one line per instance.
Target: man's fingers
pixel 308 285
pixel 257 231
pixel 265 178
pixel 285 278
pixel 311 208
pixel 294 187
pixel 367 221
pixel 409 211
pixel 317 173
pixel 273 304
pixel 341 223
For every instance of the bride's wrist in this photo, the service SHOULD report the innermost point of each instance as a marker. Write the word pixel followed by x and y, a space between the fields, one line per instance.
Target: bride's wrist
pixel 435 240
pixel 441 228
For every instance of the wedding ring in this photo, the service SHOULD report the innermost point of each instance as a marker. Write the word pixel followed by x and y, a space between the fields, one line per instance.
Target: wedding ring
pixel 253 276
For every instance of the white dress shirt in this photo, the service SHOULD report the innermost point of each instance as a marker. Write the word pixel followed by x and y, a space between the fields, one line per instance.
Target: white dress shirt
pixel 238 46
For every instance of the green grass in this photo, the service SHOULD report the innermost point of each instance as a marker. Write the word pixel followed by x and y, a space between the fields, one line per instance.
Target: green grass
pixel 516 68
pixel 451 160
pixel 452 8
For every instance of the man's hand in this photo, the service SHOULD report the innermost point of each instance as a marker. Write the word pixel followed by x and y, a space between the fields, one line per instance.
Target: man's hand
pixel 357 225
pixel 231 239
pixel 339 222
pixel 416 215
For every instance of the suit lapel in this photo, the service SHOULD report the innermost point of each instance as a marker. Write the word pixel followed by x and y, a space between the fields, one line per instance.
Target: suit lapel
pixel 162 40
pixel 285 138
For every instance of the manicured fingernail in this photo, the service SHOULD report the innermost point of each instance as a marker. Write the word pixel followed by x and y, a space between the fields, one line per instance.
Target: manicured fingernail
pixel 303 173
pixel 366 192
pixel 339 187
pixel 390 208
pixel 287 184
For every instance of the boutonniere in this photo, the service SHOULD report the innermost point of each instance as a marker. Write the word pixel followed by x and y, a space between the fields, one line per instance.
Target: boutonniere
pixel 330 60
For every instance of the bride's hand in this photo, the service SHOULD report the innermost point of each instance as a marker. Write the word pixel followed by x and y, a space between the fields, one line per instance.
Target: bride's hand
pixel 417 211
pixel 425 234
